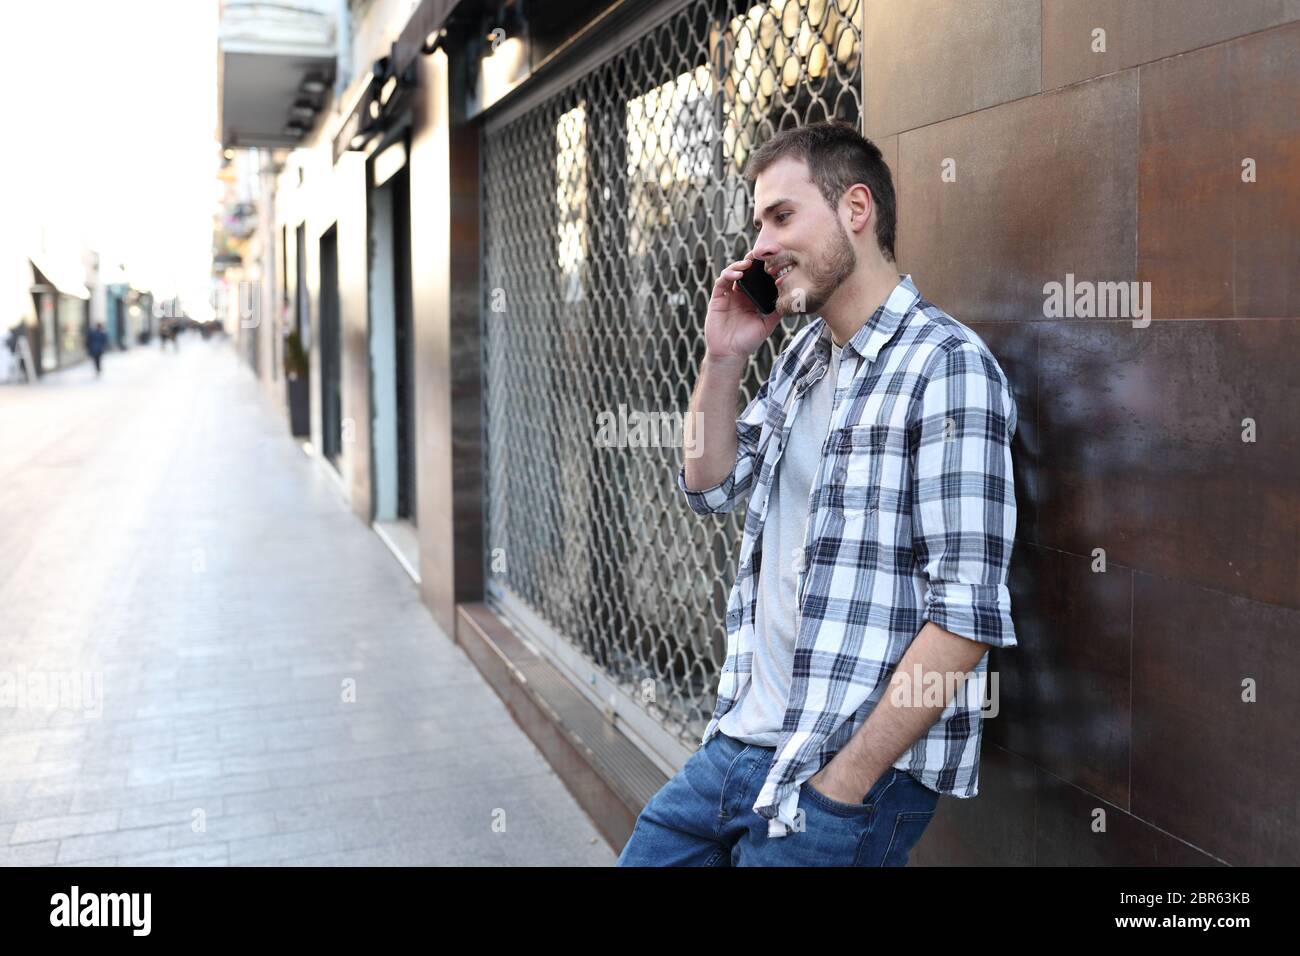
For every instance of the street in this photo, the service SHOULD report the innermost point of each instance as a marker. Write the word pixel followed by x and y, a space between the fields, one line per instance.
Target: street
pixel 207 659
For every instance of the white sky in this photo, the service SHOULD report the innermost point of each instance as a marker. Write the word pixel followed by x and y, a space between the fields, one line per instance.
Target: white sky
pixel 110 135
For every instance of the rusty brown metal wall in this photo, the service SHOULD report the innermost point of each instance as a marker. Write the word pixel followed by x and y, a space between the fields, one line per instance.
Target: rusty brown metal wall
pixel 1125 165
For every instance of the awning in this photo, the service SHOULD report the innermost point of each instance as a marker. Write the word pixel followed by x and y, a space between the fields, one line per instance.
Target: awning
pixel 51 274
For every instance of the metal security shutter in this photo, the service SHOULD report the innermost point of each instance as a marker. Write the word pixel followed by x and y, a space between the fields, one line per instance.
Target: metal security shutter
pixel 608 210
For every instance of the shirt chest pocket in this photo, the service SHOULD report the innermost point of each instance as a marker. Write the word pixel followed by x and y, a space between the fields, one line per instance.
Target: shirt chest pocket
pixel 867 465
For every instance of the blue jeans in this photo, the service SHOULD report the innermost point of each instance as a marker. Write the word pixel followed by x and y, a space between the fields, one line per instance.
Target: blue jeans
pixel 704 816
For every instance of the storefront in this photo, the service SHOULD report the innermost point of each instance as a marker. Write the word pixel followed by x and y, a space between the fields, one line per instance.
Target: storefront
pixel 63 314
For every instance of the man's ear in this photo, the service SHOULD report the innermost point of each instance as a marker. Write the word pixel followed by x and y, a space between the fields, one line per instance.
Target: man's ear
pixel 861 203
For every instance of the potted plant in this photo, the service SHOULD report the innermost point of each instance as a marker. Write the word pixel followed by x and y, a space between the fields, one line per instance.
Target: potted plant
pixel 295 374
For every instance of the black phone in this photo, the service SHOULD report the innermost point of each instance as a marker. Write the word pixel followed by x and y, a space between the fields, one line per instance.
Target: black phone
pixel 759 286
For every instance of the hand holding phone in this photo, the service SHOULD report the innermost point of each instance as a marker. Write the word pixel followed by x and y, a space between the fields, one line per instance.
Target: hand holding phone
pixel 736 325
pixel 759 286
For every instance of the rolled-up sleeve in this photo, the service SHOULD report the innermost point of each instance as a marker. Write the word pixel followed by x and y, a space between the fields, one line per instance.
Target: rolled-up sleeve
pixel 963 495
pixel 722 497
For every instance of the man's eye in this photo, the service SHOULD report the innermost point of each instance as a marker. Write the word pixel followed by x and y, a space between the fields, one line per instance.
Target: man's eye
pixel 780 217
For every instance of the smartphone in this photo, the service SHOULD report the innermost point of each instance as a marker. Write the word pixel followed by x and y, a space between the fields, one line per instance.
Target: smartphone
pixel 759 286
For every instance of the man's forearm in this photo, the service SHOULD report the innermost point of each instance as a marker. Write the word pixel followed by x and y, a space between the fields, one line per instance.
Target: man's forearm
pixel 894 725
pixel 713 410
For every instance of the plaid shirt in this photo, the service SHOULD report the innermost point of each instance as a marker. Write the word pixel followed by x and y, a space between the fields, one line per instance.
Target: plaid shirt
pixel 913 514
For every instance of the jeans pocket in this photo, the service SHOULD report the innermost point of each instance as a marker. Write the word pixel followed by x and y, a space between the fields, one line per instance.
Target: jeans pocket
pixel 830 805
pixel 863 809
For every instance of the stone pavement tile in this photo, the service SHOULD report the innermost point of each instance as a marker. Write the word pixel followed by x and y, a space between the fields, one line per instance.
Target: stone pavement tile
pixel 268 761
pixel 228 784
pixel 540 791
pixel 126 738
pixel 290 709
pixel 111 779
pixel 305 739
pixel 118 842
pixel 41 769
pixel 23 748
pixel 170 813
pixel 373 831
pixel 29 854
pixel 252 734
pixel 221 748
pixel 280 846
pixel 56 828
pixel 105 757
pixel 156 740
pixel 352 781
pixel 13 790
pixel 82 864
pixel 272 798
pixel 118 797
pixel 351 788
pixel 329 815
pixel 144 774
pixel 421 853
pixel 27 808
pixel 454 764
pixel 223 828
pixel 47 736
pixel 483 826
pixel 99 763
pixel 362 831
pixel 207 854
pixel 489 728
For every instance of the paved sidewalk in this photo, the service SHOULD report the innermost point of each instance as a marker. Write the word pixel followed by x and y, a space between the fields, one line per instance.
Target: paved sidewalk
pixel 235 669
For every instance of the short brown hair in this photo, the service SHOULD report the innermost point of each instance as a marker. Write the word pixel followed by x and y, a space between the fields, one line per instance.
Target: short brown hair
pixel 838 156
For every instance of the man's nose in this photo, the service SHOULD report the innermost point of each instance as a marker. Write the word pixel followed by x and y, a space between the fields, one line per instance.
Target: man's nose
pixel 764 249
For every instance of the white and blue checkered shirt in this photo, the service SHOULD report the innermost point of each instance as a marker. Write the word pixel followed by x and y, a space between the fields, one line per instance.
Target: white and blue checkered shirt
pixel 913 516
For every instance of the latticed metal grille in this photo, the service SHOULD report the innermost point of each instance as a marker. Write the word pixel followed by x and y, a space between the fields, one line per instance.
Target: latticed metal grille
pixel 608 212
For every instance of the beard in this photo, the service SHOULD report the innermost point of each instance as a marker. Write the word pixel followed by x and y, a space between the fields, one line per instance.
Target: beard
pixel 827 270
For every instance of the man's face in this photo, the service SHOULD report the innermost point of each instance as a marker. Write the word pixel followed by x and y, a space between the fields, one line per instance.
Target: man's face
pixel 798 232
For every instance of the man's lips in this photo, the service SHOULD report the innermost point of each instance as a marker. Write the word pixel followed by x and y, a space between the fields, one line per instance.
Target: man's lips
pixel 781 278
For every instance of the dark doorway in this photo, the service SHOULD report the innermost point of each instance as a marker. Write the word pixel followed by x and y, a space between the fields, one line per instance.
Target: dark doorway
pixel 331 396
pixel 405 343
pixel 298 382
pixel 392 346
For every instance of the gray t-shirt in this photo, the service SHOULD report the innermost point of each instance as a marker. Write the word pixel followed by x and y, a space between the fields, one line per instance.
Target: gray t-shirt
pixel 756 718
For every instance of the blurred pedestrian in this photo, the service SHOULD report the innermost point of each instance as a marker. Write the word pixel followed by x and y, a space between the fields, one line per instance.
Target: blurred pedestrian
pixel 96 343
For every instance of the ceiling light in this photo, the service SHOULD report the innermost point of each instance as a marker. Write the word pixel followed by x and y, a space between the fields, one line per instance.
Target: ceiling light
pixel 433 41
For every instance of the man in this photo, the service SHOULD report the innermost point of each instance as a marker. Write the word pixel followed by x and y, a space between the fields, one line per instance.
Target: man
pixel 96 343
pixel 873 567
